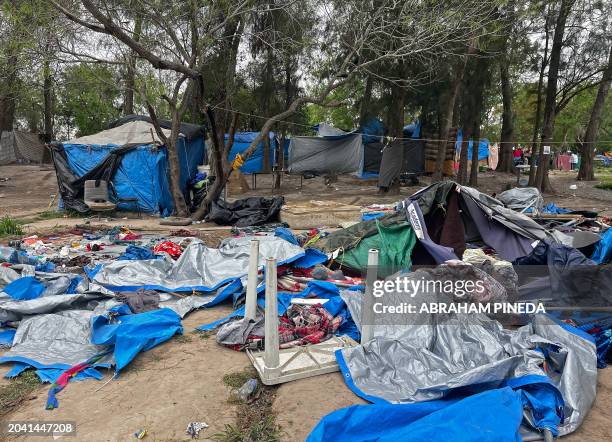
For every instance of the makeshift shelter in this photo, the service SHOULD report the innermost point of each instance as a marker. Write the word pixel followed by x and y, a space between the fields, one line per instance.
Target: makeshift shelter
pixel 255 163
pixel 133 159
pixel 444 217
pixel 360 152
pixel 23 147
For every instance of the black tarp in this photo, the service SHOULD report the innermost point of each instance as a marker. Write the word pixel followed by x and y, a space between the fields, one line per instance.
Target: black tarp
pixel 400 157
pixel 372 156
pixel 71 187
pixel 190 131
pixel 246 212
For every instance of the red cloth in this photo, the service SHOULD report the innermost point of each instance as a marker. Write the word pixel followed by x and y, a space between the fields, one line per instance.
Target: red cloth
pixel 564 162
pixel 172 249
pixel 518 153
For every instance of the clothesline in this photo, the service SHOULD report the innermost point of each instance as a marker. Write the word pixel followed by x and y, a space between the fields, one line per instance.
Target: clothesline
pixel 400 138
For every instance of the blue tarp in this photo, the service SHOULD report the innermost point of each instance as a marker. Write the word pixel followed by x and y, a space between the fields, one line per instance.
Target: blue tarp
pixel 494 415
pixel 372 131
pixel 483 146
pixel 413 130
pixel 603 249
pixel 255 163
pixel 25 288
pixel 133 333
pixel 551 208
pixel 143 173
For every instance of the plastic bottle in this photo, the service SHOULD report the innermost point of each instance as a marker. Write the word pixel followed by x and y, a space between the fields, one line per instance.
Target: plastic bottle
pixel 245 392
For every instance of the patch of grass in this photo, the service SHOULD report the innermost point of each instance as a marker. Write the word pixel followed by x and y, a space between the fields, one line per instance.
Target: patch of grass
pixel 237 379
pixel 255 420
pixel 52 214
pixel 17 391
pixel 264 430
pixel 10 227
pixel 202 334
pixel 183 339
pixel 606 185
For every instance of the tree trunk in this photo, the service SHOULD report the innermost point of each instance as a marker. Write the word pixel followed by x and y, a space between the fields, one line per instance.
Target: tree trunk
pixel 542 182
pixel 448 115
pixel 536 122
pixel 588 146
pixel 48 102
pixel 130 78
pixel 507 130
pixel 474 168
pixel 7 93
pixel 463 155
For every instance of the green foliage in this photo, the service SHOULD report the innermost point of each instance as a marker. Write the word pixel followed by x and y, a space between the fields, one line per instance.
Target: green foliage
pixel 89 98
pixel 570 123
pixel 10 227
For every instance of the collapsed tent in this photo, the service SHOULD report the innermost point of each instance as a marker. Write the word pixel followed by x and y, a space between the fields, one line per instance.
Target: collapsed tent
pixel 132 158
pixel 443 358
pixel 258 162
pixel 73 323
pixel 446 218
pixel 20 147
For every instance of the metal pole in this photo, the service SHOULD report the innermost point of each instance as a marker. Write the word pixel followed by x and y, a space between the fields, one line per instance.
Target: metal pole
pixel 367 312
pixel 250 307
pixel 271 356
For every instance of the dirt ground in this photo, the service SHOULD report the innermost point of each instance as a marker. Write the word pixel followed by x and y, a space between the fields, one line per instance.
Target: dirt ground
pixel 180 381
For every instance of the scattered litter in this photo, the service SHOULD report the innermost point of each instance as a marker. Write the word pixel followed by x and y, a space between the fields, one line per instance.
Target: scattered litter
pixel 247 390
pixel 140 434
pixel 194 428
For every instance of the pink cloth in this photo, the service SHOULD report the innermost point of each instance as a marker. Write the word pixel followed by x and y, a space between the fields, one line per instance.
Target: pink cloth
pixel 564 162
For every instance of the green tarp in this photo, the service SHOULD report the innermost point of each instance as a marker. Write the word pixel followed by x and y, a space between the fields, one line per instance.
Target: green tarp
pixel 394 243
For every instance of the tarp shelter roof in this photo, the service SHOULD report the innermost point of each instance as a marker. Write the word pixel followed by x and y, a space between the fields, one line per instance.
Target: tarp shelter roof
pixel 134 132
pixel 189 131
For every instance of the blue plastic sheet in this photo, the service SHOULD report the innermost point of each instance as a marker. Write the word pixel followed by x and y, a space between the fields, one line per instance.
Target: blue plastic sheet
pixel 131 334
pixel 136 252
pixel 143 173
pixel 551 208
pixel 255 163
pixel 25 288
pixel 483 146
pixel 603 249
pixel 494 415
pixel 7 336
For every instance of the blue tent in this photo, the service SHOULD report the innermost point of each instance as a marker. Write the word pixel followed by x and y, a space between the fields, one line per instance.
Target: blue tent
pixel 483 147
pixel 143 172
pixel 255 163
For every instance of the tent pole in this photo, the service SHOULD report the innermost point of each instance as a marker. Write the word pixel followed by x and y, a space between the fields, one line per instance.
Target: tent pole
pixel 251 292
pixel 367 313
pixel 271 356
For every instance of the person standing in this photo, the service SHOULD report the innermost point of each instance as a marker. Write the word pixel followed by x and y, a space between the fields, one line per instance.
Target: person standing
pixel 574 161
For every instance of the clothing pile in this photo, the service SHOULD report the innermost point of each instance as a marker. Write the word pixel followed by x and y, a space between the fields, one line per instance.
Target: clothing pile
pixel 172 249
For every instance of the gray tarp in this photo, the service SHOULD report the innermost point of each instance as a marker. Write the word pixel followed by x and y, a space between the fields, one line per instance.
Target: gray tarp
pixel 56 338
pixel 16 146
pixel 198 267
pixel 325 155
pixel 391 163
pixel 521 198
pixel 423 357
